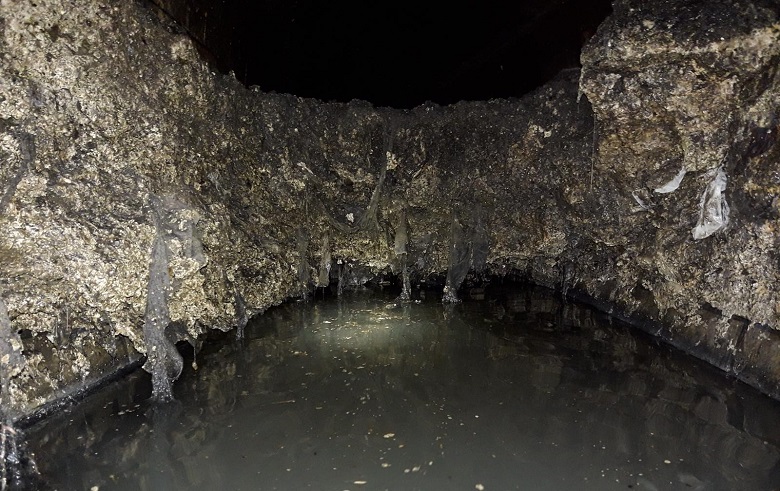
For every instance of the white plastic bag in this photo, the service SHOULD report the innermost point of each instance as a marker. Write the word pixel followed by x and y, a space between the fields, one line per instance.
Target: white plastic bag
pixel 713 209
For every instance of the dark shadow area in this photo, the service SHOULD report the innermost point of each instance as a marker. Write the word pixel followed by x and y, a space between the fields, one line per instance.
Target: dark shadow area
pixel 399 54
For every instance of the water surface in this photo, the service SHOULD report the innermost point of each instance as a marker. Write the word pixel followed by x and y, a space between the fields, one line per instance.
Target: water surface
pixel 516 391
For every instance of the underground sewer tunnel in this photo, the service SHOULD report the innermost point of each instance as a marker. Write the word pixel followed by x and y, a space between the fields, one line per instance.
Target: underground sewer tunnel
pixel 161 184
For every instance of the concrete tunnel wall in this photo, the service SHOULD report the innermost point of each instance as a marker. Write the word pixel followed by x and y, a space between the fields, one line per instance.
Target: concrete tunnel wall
pixel 145 197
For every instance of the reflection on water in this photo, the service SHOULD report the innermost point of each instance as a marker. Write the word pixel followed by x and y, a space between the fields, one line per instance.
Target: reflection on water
pixel 518 391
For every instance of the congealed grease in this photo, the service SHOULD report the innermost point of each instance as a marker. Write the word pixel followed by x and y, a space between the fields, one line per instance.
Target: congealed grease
pixel 163 359
pixel 469 248
pixel 9 359
pixel 304 273
pixel 458 264
pixel 400 249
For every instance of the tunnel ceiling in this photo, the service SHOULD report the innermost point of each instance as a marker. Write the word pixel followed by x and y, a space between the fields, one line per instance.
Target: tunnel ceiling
pixel 399 53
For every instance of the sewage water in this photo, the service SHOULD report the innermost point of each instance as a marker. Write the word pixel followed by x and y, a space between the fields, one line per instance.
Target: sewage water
pixel 520 390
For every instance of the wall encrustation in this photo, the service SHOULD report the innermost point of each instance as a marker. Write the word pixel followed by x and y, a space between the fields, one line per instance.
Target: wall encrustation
pixel 647 182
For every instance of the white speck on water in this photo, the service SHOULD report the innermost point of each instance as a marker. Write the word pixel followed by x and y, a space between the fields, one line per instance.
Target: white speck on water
pixel 361 482
pixel 479 487
pixel 667 461
pixel 389 435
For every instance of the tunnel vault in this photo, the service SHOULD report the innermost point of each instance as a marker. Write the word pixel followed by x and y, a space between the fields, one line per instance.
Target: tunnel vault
pixel 147 199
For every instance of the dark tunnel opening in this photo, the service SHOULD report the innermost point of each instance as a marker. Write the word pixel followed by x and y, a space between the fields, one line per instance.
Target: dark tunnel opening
pixel 398 54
